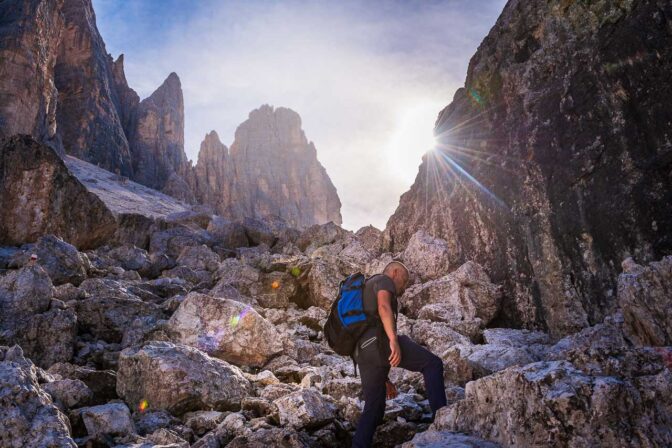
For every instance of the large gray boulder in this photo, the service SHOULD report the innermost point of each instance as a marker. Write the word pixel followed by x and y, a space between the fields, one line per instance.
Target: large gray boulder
pixel 305 408
pixel 28 416
pixel 62 261
pixel 44 328
pixel 178 379
pixel 644 296
pixel 107 317
pixel 534 405
pixel 112 419
pixel 447 439
pixel 31 206
pixel 225 329
pixel 24 292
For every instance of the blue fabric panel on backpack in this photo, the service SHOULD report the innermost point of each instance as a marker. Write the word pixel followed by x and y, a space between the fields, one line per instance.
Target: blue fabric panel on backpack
pixel 351 300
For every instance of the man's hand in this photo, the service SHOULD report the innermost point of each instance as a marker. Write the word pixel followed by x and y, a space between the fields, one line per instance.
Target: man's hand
pixel 395 353
pixel 390 390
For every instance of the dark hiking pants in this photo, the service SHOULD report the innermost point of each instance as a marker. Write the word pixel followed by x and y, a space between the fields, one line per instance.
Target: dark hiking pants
pixel 372 361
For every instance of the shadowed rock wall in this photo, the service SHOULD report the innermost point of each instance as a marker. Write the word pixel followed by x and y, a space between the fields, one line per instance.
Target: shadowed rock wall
pixel 564 122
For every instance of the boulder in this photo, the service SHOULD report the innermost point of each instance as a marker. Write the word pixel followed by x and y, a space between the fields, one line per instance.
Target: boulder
pixel 241 276
pixel 189 380
pixel 258 232
pixel 228 234
pixel 69 393
pixel 24 292
pixel 27 413
pixel 371 238
pixel 45 328
pixel 281 437
pixel 437 336
pixel 112 419
pixel 321 281
pixel 602 350
pixel 276 290
pixel 447 439
pixel 200 422
pixel 132 258
pixel 320 235
pixel 644 296
pixel 49 337
pixel 163 437
pixel 199 258
pixel 534 405
pixel 101 382
pixel 173 240
pixel 225 329
pixel 106 317
pixel 465 295
pixel 30 206
pixel 429 257
pixel 61 260
pixel 305 408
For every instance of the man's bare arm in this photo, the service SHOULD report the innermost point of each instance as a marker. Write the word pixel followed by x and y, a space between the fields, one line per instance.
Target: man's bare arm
pixel 387 317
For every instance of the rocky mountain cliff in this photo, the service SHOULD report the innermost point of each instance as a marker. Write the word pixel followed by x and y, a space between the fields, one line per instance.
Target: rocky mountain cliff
pixel 157 140
pixel 30 34
pixel 84 107
pixel 270 170
pixel 87 115
pixel 563 122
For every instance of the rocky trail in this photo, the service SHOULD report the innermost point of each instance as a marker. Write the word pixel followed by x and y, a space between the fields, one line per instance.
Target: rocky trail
pixel 198 342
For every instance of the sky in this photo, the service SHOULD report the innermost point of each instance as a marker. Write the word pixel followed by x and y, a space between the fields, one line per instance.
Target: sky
pixel 367 77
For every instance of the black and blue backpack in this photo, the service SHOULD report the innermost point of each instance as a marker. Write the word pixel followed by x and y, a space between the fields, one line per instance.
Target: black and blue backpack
pixel 347 319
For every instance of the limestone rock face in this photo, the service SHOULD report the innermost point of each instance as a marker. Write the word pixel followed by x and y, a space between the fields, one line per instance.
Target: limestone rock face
pixel 226 329
pixel 27 413
pixel 189 380
pixel 157 140
pixel 644 295
pixel 270 170
pixel 562 123
pixel 87 114
pixel 41 196
pixel 30 32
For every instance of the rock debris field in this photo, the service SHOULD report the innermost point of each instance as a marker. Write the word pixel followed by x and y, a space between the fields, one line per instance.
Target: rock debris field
pixel 212 338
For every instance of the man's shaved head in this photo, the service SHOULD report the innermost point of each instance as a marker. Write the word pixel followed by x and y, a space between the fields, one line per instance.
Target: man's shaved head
pixel 399 274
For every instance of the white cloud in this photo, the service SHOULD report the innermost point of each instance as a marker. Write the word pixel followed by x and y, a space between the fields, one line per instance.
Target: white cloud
pixel 366 78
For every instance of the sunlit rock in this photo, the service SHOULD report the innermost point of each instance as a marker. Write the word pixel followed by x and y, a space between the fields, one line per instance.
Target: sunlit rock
pixel 178 379
pixel 225 329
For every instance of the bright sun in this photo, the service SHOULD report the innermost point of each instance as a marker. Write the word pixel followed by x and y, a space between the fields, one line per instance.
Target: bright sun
pixel 413 136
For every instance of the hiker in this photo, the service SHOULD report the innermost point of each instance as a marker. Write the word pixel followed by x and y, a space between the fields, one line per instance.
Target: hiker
pixel 380 347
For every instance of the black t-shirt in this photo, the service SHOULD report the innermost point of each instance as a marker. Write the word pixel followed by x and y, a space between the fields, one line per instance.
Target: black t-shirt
pixel 370 296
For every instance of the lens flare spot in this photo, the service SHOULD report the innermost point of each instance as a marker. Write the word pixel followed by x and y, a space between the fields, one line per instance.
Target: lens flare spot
pixel 476 96
pixel 144 404
pixel 235 320
pixel 275 284
pixel 295 271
